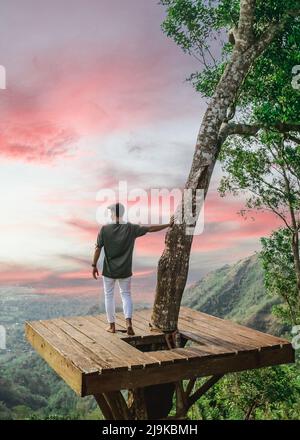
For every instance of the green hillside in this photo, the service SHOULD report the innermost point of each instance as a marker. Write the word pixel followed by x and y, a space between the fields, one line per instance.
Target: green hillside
pixel 235 292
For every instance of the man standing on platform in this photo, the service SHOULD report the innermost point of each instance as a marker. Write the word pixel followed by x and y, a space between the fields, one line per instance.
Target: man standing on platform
pixel 117 239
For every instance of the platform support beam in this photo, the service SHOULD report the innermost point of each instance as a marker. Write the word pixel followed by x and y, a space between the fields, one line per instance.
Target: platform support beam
pixel 137 404
pixel 141 406
pixel 203 389
pixel 185 400
pixel 104 407
pixel 113 405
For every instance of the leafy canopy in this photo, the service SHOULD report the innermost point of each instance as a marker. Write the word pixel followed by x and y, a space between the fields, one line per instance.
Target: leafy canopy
pixel 201 27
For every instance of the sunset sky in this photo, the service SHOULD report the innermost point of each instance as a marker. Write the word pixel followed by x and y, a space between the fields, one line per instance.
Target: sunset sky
pixel 96 93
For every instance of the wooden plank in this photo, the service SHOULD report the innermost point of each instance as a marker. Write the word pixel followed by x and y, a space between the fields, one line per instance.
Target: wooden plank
pixel 144 314
pixel 233 346
pixel 96 352
pixel 134 357
pixel 90 357
pixel 150 355
pixel 213 349
pixel 144 317
pixel 216 321
pixel 200 367
pixel 224 334
pixel 77 357
pixel 58 359
pixel 245 343
pixel 143 357
pixel 121 329
pixel 161 359
pixel 142 323
pixel 201 351
pixel 233 326
pixel 103 325
pixel 210 340
pixel 169 357
pixel 242 339
pixel 103 322
pixel 138 328
pixel 110 342
pixel 193 352
pixel 139 338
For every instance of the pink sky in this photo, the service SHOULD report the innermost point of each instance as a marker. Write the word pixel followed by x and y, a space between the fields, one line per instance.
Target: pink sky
pixel 96 94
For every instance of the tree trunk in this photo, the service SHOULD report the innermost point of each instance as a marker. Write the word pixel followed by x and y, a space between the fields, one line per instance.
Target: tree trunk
pixel 174 262
pixel 250 410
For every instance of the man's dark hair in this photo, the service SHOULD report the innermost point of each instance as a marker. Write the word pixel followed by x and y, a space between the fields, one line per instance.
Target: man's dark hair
pixel 117 208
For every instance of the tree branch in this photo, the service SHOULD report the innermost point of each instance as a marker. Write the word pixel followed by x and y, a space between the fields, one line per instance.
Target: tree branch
pixel 252 129
pixel 245 35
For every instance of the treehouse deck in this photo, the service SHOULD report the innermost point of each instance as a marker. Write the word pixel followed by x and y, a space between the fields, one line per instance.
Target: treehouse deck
pixel 93 361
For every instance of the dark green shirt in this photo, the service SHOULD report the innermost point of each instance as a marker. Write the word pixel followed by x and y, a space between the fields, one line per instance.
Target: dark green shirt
pixel 118 242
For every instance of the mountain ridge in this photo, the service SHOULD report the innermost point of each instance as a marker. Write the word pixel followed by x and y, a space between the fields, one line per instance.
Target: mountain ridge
pixel 236 292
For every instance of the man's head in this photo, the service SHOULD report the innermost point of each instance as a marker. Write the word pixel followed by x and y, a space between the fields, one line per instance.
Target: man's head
pixel 117 211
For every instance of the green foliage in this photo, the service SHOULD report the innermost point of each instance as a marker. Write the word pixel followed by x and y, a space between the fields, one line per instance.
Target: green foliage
pixel 5 413
pixel 196 26
pixel 268 168
pixel 279 274
pixel 237 292
pixel 192 23
pixel 262 167
pixel 268 87
pixel 200 28
pixel 29 389
pixel 267 393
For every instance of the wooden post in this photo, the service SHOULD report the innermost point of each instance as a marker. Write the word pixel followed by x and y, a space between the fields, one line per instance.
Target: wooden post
pixel 137 404
pixel 203 389
pixel 104 407
pixel 113 405
pixel 181 401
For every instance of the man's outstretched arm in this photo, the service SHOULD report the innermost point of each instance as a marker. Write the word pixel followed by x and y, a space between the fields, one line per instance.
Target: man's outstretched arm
pixel 156 228
pixel 95 261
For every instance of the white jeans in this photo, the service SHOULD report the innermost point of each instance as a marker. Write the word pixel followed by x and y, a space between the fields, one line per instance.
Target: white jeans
pixel 125 292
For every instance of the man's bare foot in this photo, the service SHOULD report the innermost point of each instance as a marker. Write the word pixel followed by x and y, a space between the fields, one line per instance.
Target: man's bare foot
pixel 129 327
pixel 130 330
pixel 111 328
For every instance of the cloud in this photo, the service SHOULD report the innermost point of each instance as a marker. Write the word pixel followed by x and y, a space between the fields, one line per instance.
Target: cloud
pixel 88 229
pixel 72 282
pixel 35 142
pixel 63 97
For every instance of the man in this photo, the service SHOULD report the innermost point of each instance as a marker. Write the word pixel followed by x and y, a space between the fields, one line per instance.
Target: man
pixel 118 240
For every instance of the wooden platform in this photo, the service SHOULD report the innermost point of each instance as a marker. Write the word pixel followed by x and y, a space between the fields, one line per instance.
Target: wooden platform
pixel 93 361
